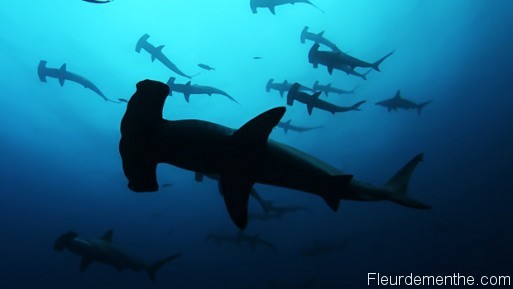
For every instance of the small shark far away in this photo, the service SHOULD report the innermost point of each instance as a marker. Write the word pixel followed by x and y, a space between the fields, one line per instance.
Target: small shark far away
pixel 282 87
pixel 156 53
pixel 188 89
pixel 313 101
pixel 317 38
pixel 240 238
pixel 327 89
pixel 398 102
pixel 103 251
pixel 62 75
pixel 238 158
pixel 98 1
pixel 206 66
pixel 271 4
pixel 287 125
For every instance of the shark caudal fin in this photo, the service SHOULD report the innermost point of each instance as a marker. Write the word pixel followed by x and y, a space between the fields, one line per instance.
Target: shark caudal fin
pixel 376 64
pixel 420 106
pixel 64 240
pixel 236 183
pixel 357 105
pixel 152 269
pixel 397 186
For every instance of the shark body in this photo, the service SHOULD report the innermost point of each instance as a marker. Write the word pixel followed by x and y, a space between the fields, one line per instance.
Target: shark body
pixel 103 251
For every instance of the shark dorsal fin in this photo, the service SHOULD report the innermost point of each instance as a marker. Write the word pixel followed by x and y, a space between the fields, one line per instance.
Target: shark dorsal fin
pixel 285 82
pixel 159 48
pixel 288 121
pixel 62 71
pixel 257 130
pixel 63 68
pixel 321 33
pixel 398 94
pixel 188 84
pixel 107 237
pixel 316 95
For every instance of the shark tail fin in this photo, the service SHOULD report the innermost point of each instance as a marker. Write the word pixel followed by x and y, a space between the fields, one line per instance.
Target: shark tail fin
pixel 357 105
pixel 63 240
pixel 422 105
pixel 398 185
pixel 376 64
pixel 152 269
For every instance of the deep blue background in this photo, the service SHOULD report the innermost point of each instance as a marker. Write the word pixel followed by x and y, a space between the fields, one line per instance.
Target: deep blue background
pixel 60 169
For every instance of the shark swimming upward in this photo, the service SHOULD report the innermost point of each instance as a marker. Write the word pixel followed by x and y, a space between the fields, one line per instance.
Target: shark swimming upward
pixel 240 158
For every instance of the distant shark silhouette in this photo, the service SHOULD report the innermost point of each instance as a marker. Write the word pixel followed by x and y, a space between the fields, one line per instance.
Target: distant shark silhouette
pixel 206 67
pixel 287 125
pixel 313 101
pixel 102 251
pixel 62 75
pixel 253 240
pixel 339 60
pixel 98 1
pixel 282 210
pixel 282 87
pixel 327 89
pixel 240 157
pixel 317 38
pixel 156 53
pixel 271 4
pixel 398 102
pixel 318 249
pixel 188 89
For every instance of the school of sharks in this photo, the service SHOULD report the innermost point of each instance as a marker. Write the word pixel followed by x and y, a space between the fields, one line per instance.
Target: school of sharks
pixel 239 158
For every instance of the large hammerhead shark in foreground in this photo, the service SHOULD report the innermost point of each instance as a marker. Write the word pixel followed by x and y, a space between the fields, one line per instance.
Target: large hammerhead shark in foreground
pixel 240 157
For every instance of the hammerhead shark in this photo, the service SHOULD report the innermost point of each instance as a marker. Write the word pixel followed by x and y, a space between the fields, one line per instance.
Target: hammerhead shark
pixel 318 249
pixel 62 75
pixel 317 38
pixel 282 87
pixel 103 251
pixel 287 125
pixel 240 158
pixel 313 101
pixel 271 4
pixel 156 53
pixel 327 89
pixel 240 238
pixel 338 59
pixel 188 89
pixel 98 1
pixel 398 101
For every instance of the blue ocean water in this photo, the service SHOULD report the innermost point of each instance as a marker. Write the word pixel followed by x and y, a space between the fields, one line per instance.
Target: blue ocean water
pixel 61 169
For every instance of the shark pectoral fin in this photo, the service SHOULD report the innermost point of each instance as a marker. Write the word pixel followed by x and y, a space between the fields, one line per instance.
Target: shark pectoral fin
pixel 257 130
pixel 236 190
pixel 187 97
pixel 84 263
pixel 271 8
pixel 107 237
pixel 310 108
pixel 330 70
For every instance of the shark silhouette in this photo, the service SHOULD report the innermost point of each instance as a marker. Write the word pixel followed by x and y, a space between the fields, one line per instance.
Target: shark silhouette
pixel 317 38
pixel 327 89
pixel 282 87
pixel 156 53
pixel 271 4
pixel 188 89
pixel 62 74
pixel 287 125
pixel 398 102
pixel 240 158
pixel 103 251
pixel 313 101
